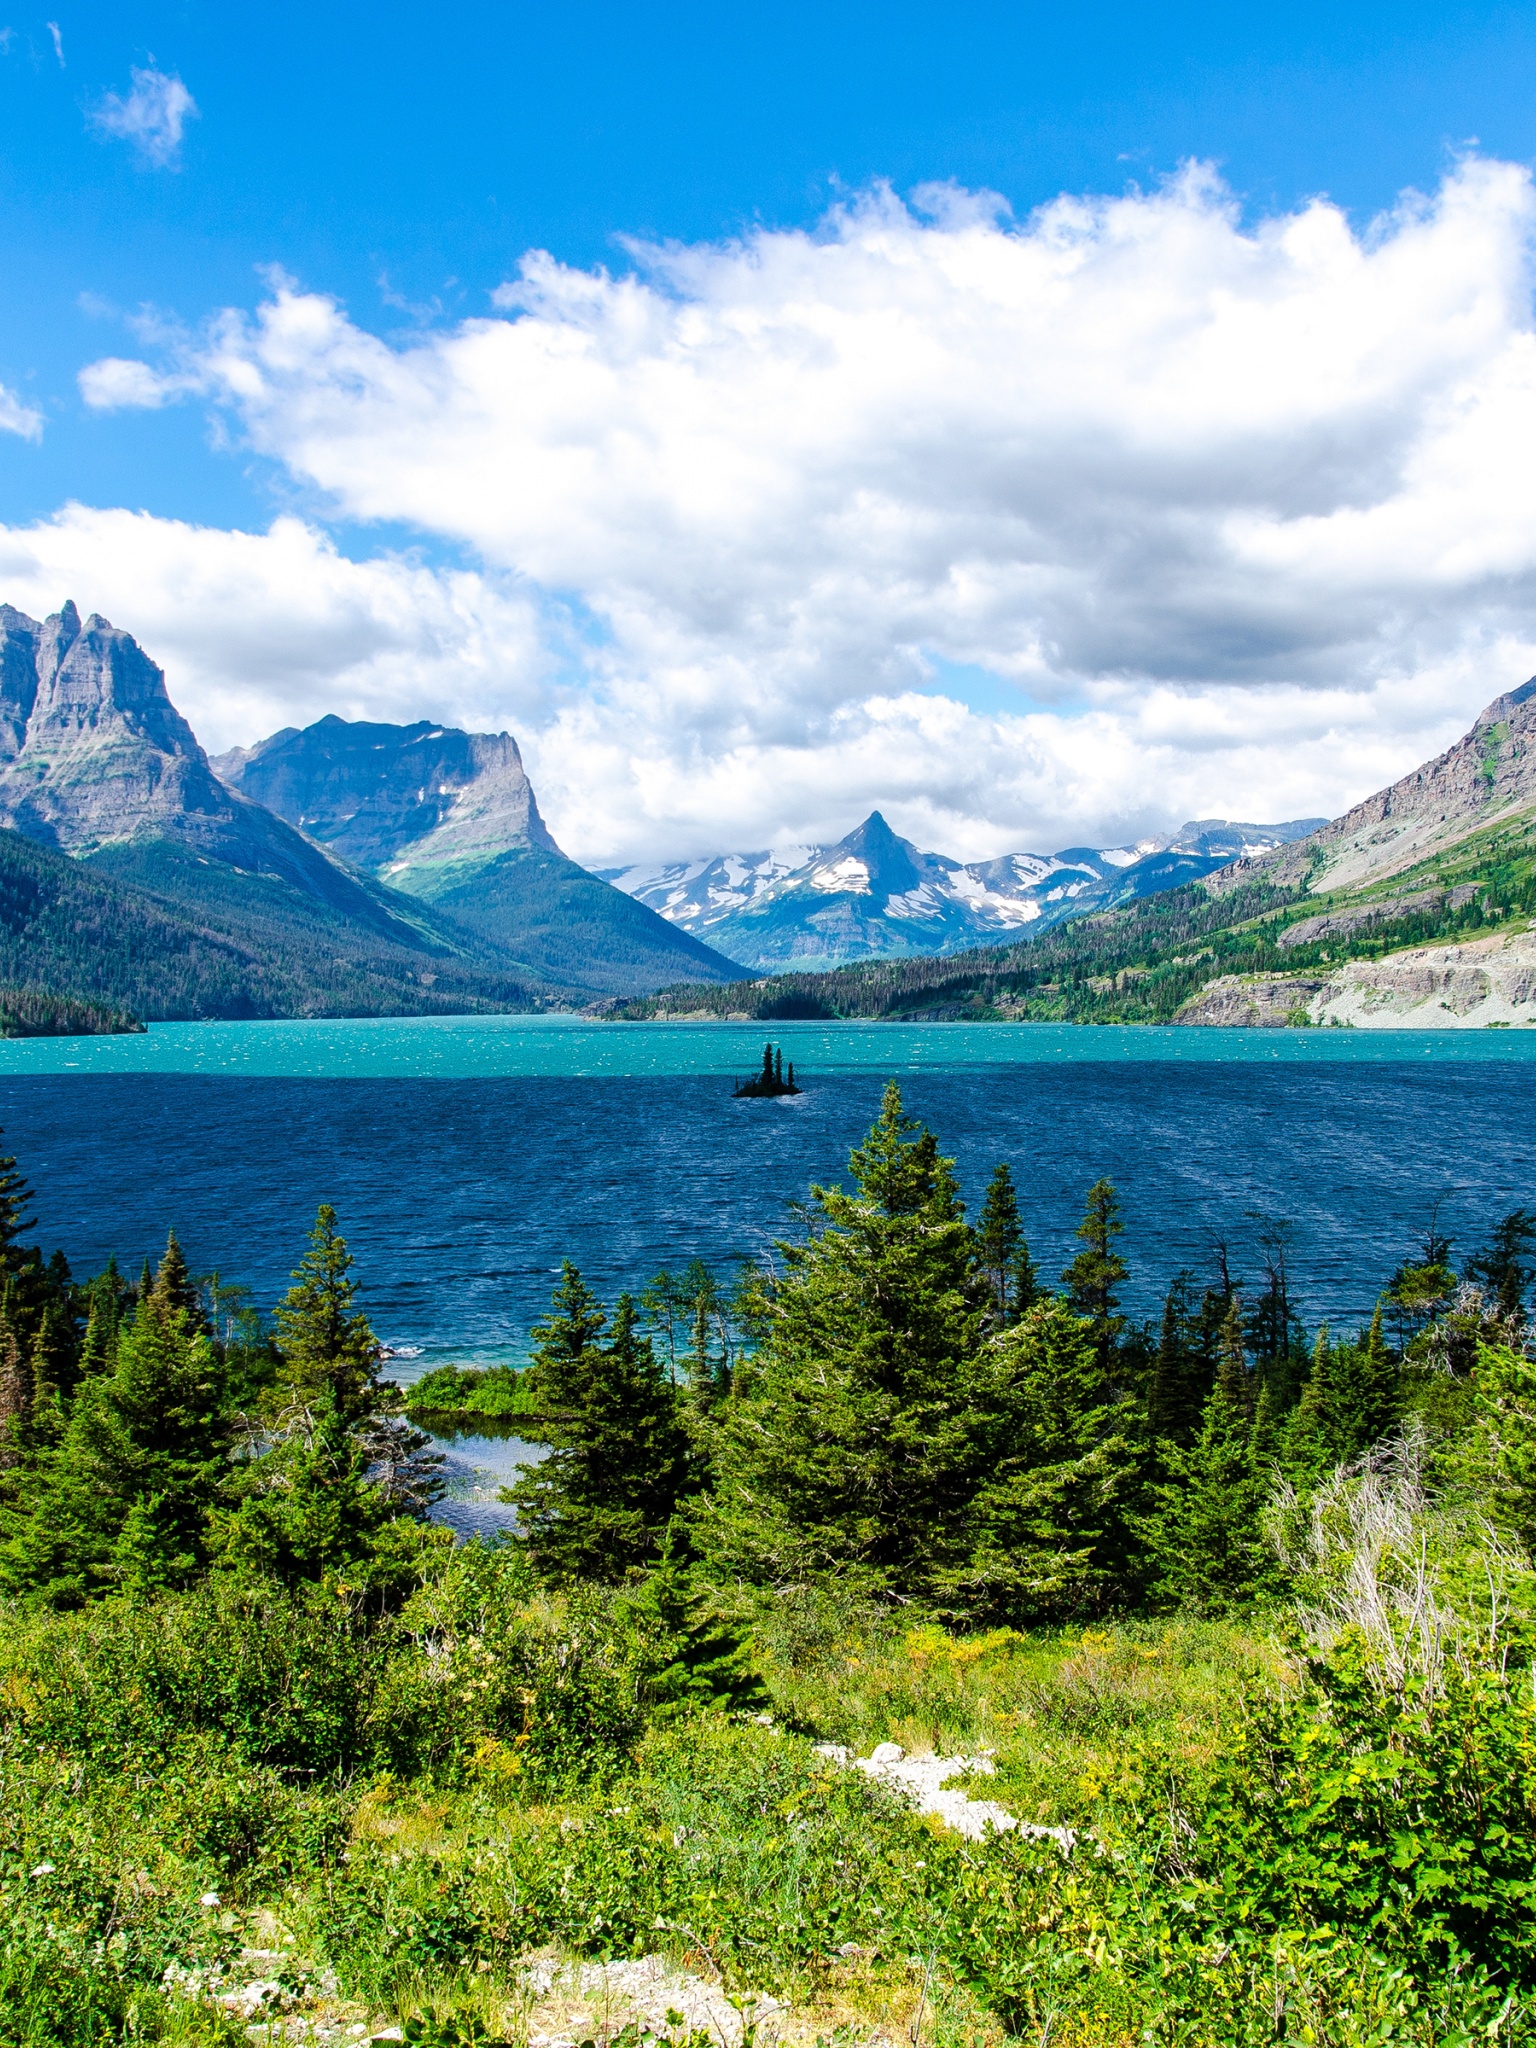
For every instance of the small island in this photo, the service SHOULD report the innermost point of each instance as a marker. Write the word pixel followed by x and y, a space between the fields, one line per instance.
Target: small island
pixel 774 1079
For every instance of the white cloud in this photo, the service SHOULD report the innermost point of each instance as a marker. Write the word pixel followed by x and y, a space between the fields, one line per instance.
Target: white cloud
pixel 117 382
pixel 259 630
pixel 152 117
pixel 1239 517
pixel 17 417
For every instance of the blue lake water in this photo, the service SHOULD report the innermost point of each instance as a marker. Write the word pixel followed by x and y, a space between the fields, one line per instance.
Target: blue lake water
pixel 467 1157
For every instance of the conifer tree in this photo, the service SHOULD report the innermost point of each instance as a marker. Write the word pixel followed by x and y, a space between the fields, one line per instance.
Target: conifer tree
pixel 599 1505
pixel 1500 1267
pixel 1175 1393
pixel 1097 1271
pixel 1206 1529
pixel 852 1440
pixel 149 1436
pixel 1000 1247
pixel 15 1198
pixel 690 1656
pixel 16 1393
pixel 564 1344
pixel 328 1349
pixel 1047 1537
pixel 175 1290
pixel 341 1483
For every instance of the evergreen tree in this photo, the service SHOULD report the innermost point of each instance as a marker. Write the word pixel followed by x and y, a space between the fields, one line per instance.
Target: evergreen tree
pixel 1097 1271
pixel 16 1393
pixel 15 1198
pixel 690 1657
pixel 340 1484
pixel 1000 1247
pixel 1176 1389
pixel 329 1352
pixel 1351 1401
pixel 1500 1269
pixel 1047 1537
pixel 565 1343
pixel 599 1505
pixel 852 1441
pixel 1206 1529
pixel 149 1436
pixel 175 1290
pixel 1495 1462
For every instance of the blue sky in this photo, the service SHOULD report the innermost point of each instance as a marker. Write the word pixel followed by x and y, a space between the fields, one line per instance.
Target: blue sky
pixel 404 161
pixel 404 158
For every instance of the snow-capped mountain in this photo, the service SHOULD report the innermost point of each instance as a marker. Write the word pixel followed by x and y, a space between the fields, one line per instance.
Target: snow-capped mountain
pixel 874 894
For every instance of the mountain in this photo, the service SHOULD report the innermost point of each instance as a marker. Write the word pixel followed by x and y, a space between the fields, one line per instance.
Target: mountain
pixel 220 908
pixel 1417 907
pixel 874 895
pixel 449 819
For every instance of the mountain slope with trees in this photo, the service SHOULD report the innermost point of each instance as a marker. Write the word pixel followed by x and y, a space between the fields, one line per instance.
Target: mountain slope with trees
pixel 1445 859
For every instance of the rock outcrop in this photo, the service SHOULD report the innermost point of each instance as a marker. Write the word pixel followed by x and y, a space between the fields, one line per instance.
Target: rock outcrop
pixel 394 798
pixel 1487 981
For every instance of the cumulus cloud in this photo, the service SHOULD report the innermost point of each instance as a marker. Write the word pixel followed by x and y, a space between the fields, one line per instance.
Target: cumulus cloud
pixel 1236 518
pixel 260 630
pixel 16 417
pixel 152 117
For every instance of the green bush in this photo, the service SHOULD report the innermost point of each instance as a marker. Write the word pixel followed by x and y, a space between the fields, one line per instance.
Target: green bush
pixel 283 1679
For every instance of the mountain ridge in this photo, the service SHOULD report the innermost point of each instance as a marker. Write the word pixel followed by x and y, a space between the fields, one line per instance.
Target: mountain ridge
pixel 876 895
pixel 449 819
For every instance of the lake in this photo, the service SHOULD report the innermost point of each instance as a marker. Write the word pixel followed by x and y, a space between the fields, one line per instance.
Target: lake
pixel 468 1156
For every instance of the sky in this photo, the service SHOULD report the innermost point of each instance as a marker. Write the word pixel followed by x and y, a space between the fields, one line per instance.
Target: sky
pixel 1043 425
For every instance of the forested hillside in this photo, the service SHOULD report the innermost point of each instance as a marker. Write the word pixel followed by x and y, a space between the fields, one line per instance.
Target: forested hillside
pixel 1224 1627
pixel 269 952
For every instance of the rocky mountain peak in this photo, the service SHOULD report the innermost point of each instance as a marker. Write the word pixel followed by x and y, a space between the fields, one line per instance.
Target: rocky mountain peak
pixel 395 798
pixel 92 750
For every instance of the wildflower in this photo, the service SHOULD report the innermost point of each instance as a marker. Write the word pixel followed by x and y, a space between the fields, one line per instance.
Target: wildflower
pixel 43 1870
pixel 209 1899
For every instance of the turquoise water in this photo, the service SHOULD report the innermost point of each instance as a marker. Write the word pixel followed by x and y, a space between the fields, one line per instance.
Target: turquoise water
pixel 465 1048
pixel 467 1157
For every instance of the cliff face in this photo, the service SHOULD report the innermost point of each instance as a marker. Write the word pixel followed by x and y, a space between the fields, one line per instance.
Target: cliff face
pixel 91 747
pixel 394 798
pixel 96 761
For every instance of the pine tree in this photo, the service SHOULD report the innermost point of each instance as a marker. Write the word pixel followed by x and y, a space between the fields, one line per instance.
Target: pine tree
pixel 1206 1530
pixel 150 1431
pixel 999 1244
pixel 1176 1391
pixel 174 1289
pixel 1048 1538
pixel 15 1197
pixel 1500 1268
pixel 16 1393
pixel 851 1441
pixel 564 1344
pixel 778 1066
pixel 328 1349
pixel 1097 1271
pixel 599 1505
pixel 689 1656
pixel 341 1488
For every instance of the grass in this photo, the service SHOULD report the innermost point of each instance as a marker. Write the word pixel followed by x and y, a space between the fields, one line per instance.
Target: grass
pixel 183 1872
